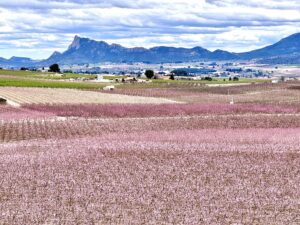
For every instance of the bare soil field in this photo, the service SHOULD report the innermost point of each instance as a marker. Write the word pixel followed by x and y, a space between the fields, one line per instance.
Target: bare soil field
pixel 68 96
pixel 265 93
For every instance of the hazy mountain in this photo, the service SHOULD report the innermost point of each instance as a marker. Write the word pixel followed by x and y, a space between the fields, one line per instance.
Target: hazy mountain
pixel 85 50
pixel 286 59
pixel 223 55
pixel 17 62
pixel 285 48
pixel 2 60
pixel 54 58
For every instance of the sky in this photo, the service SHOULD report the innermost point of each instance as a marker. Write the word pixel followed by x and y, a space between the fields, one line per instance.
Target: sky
pixel 37 28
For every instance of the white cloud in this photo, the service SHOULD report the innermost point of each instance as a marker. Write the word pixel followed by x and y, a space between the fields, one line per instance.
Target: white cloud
pixel 234 25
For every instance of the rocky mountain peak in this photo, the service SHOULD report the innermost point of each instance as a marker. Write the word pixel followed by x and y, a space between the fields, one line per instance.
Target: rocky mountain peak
pixel 76 42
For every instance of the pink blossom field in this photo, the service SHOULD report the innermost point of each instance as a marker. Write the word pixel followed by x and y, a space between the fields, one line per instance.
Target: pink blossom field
pixel 201 176
pixel 209 169
pixel 8 113
pixel 154 110
pixel 68 128
pixel 187 163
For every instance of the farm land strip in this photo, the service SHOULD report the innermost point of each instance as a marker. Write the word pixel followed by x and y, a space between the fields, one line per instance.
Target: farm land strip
pixel 161 110
pixel 42 83
pixel 70 96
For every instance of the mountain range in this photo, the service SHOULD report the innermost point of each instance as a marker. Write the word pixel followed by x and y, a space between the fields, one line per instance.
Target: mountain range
pixel 18 62
pixel 85 50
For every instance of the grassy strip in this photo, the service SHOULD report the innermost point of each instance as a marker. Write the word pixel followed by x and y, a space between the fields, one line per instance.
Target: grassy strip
pixel 46 75
pixel 20 73
pixel 7 82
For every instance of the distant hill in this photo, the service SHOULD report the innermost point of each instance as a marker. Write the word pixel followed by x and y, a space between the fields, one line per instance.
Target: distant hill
pixel 287 48
pixel 85 50
pixel 17 62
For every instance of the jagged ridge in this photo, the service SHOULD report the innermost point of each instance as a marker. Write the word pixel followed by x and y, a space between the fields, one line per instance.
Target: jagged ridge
pixel 85 50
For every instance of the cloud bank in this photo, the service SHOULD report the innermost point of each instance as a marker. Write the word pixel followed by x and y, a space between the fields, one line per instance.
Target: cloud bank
pixel 35 28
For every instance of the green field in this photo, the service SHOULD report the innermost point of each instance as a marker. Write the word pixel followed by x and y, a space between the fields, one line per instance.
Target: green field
pixel 41 75
pixel 13 82
pixel 18 78
pixel 14 78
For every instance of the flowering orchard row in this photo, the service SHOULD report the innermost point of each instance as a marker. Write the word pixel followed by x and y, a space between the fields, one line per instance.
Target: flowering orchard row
pixel 83 127
pixel 8 113
pixel 152 110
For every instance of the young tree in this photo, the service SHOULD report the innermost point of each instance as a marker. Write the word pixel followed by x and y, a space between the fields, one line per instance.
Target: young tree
pixel 208 78
pixel 54 68
pixel 149 74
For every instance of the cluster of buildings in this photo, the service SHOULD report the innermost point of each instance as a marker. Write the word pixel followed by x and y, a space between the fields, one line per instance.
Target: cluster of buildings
pixel 179 71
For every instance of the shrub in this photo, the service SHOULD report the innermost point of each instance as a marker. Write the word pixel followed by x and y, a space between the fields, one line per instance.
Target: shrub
pixel 149 74
pixel 54 68
pixel 207 78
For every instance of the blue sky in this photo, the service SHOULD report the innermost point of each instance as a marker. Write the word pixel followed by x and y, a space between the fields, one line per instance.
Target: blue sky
pixel 36 28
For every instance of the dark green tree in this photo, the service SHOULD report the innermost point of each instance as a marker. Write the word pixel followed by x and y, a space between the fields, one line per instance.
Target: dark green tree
pixel 54 68
pixel 208 78
pixel 149 74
